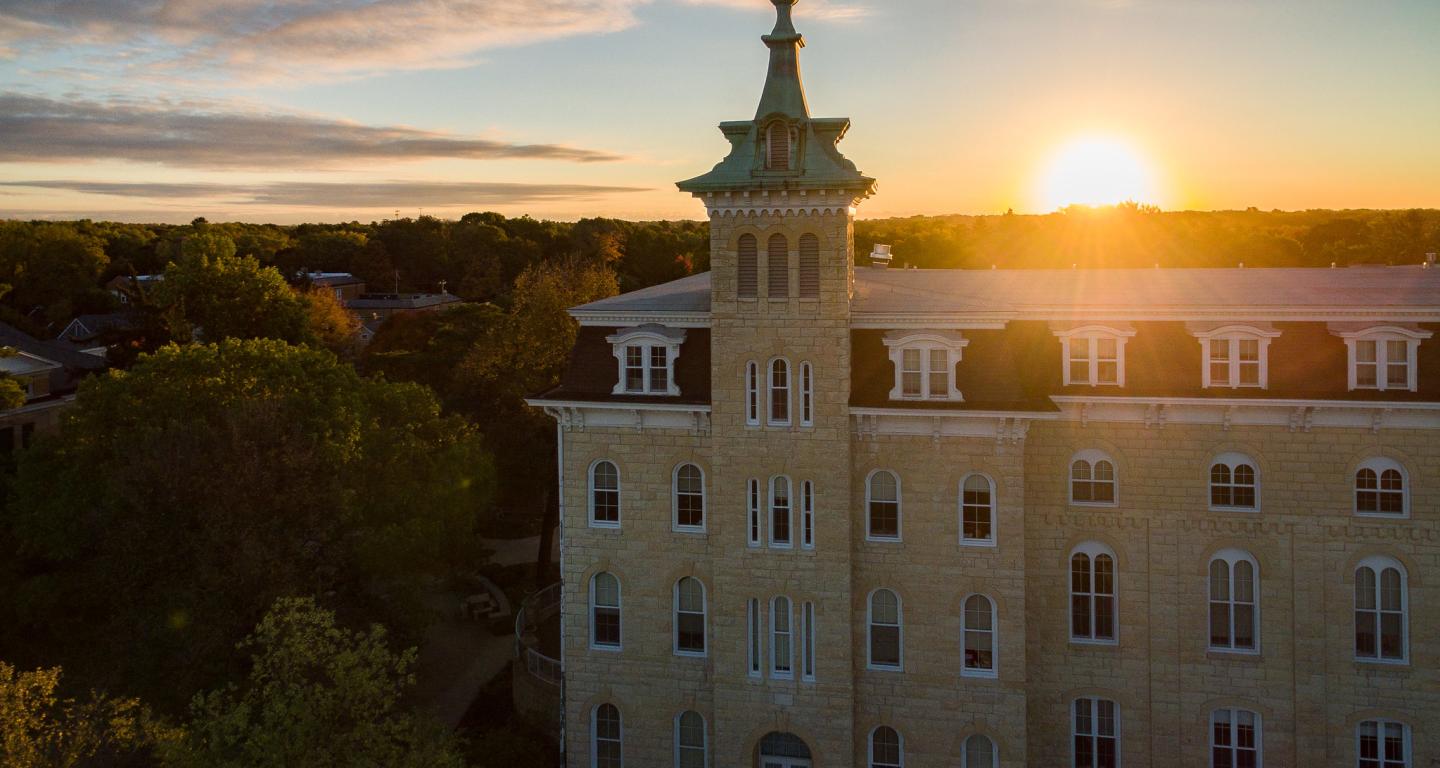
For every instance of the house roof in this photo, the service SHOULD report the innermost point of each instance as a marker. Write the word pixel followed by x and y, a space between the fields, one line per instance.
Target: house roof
pixel 401 300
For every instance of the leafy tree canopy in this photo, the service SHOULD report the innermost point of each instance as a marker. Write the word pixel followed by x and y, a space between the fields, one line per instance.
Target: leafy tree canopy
pixel 38 729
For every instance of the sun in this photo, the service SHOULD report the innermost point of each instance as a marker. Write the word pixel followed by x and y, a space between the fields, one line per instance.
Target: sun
pixel 1096 170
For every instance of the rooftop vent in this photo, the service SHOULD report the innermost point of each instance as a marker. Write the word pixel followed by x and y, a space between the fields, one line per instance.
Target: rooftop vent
pixel 1430 259
pixel 880 257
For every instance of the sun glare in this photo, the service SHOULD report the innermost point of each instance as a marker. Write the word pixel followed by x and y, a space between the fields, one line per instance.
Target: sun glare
pixel 1096 170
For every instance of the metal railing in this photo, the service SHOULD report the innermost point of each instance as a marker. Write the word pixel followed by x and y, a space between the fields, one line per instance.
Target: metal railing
pixel 537 609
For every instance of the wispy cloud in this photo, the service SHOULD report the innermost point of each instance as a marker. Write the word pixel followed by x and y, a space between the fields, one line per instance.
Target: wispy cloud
pixel 823 10
pixel 377 195
pixel 199 135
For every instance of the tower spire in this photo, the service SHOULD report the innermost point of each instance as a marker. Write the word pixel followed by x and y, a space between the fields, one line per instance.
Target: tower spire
pixel 784 94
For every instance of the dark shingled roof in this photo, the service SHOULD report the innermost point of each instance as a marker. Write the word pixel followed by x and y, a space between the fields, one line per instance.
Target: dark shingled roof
pixel 593 372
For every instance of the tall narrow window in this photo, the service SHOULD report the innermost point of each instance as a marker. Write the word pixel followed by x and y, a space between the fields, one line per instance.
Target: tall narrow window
pixel 1381 621
pixel 605 611
pixel 1234 739
pixel 752 394
pixel 607 734
pixel 1096 733
pixel 780 512
pixel 886 750
pixel 1382 744
pixel 782 654
pixel 752 511
pixel 807 515
pixel 1380 488
pixel 689 617
pixel 777 143
pixel 690 740
pixel 1233 483
pixel 807 395
pixel 1092 479
pixel 912 373
pixel 1234 587
pixel 977 636
pixel 807 641
pixel 754 652
pixel 1092 594
pixel 885 630
pixel 689 498
pixel 977 510
pixel 777 255
pixel 604 495
pixel 780 392
pixel 882 505
pixel 809 266
pixel 980 753
pixel 747 281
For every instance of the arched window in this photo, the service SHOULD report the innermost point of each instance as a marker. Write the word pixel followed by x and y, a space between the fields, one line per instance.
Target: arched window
pixel 809 266
pixel 777 143
pixel 747 279
pixel 977 510
pixel 807 515
pixel 783 745
pixel 1382 744
pixel 689 617
pixel 777 255
pixel 885 630
pixel 605 612
pixel 752 394
pixel 782 649
pixel 690 740
pixel 882 505
pixel 1234 483
pixel 780 392
pixel 1381 488
pixel 1381 611
pixel 1234 601
pixel 607 738
pixel 886 749
pixel 689 498
pixel 1096 733
pixel 979 752
pixel 1092 479
pixel 977 637
pixel 1234 739
pixel 780 510
pixel 753 511
pixel 807 395
pixel 1092 593
pixel 604 495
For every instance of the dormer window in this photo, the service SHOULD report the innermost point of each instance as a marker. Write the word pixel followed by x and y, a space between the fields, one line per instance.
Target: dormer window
pixel 647 360
pixel 1382 357
pixel 1094 355
pixel 1234 355
pixel 924 363
pixel 781 139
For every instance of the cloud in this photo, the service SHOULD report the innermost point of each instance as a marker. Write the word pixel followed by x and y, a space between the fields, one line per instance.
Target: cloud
pixel 380 194
pixel 823 10
pixel 202 135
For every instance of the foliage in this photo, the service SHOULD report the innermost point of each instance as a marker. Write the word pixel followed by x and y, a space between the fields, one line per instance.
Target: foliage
pixel 316 695
pixel 183 496
pixel 38 729
pixel 328 323
pixel 51 269
pixel 219 296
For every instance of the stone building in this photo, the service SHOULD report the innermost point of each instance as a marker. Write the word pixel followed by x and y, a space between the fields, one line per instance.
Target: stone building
pixel 821 515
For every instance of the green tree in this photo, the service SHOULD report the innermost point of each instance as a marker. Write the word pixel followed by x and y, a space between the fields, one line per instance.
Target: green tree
pixel 182 497
pixel 317 695
pixel 219 296
pixel 329 324
pixel 38 729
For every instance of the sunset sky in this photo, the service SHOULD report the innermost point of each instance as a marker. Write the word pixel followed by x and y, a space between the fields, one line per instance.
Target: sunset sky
pixel 327 110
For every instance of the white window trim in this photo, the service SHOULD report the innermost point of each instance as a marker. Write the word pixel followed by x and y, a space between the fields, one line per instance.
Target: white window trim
pixel 619 495
pixel 1234 748
pixel 789 514
pixel 994 539
pixel 755 524
pixel 870 748
pixel 595 734
pixel 899 508
pixel 1380 723
pixel 753 402
pixel 870 625
pixel 704 736
pixel 619 608
pixel 1095 721
pixel 1378 564
pixel 770 419
pixel 807 395
pixel 1087 332
pixel 1234 333
pixel 1093 456
pixel 775 672
pixel 1381 334
pixel 809 640
pixel 1232 460
pixel 754 641
pixel 648 337
pixel 675 500
pixel 1230 557
pixel 965 752
pixel 1091 549
pixel 994 671
pixel 898 342
pixel 675 620
pixel 807 514
pixel 1378 465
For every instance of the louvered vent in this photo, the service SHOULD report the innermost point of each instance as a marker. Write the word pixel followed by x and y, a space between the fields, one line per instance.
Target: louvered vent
pixel 779 266
pixel 809 267
pixel 748 281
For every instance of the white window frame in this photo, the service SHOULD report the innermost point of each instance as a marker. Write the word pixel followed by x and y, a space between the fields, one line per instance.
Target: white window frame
pixel 1233 747
pixel 776 673
pixel 1230 558
pixel 965 752
pixel 1231 461
pixel 993 507
pixel 1379 564
pixel 595 733
pixel 704 620
pixel 952 343
pixel 770 393
pixel 788 543
pixel 1086 334
pixel 619 495
pixel 807 641
pixel 899 508
pixel 1094 734
pixel 807 395
pixel 1380 465
pixel 994 633
pixel 755 533
pixel 1092 550
pixel 807 514
pixel 1380 724
pixel 648 337
pixel 870 748
pixel 619 608
pixel 755 649
pixel 1233 334
pixel 675 494
pixel 1380 334
pixel 752 394
pixel 704 747
pixel 869 632
pixel 1093 456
